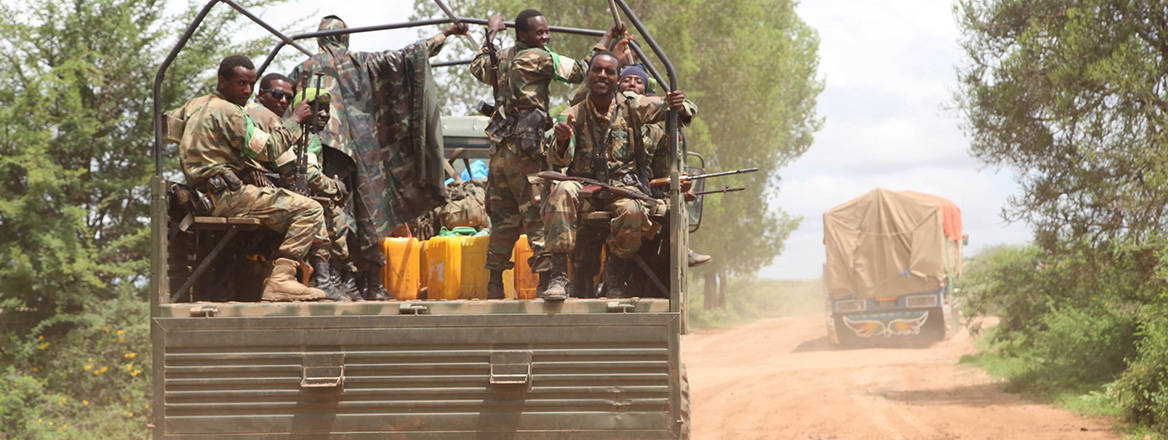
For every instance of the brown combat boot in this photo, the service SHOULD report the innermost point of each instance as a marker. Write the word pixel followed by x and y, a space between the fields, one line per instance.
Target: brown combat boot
pixel 281 285
pixel 557 285
pixel 495 285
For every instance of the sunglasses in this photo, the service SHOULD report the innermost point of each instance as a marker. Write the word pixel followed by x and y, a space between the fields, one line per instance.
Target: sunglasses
pixel 280 95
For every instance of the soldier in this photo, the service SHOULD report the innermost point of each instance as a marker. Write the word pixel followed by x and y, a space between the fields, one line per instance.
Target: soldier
pixel 635 79
pixel 217 137
pixel 333 273
pixel 353 81
pixel 601 139
pixel 520 76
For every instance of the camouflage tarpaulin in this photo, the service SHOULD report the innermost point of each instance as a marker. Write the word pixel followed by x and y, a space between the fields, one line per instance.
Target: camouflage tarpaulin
pixel 385 116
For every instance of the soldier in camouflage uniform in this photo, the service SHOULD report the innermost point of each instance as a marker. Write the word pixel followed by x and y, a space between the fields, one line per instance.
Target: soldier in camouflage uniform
pixel 601 139
pixel 635 79
pixel 520 76
pixel 217 137
pixel 351 79
pixel 333 272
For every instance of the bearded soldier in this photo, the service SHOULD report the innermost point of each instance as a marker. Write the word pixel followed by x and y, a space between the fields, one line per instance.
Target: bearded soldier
pixel 520 76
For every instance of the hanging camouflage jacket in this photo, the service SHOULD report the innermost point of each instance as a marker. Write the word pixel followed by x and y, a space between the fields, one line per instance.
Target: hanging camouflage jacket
pixel 385 116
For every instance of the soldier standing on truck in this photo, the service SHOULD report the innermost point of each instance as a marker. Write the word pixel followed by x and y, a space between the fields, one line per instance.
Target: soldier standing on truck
pixel 217 138
pixel 600 138
pixel 359 83
pixel 520 76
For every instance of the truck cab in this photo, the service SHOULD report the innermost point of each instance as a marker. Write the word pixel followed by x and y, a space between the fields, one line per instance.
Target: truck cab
pixel 229 366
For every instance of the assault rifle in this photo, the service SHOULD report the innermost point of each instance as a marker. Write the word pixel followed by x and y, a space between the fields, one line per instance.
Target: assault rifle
pixel 663 181
pixel 598 185
pixel 300 179
pixel 457 21
pixel 719 191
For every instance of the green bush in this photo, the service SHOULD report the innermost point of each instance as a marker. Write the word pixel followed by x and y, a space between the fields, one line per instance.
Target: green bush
pixel 1083 347
pixel 1142 391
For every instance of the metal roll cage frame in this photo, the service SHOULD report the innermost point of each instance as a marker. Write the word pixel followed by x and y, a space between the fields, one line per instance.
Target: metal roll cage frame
pixel 677 223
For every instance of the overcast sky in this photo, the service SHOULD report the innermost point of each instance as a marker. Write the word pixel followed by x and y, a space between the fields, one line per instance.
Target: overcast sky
pixel 889 73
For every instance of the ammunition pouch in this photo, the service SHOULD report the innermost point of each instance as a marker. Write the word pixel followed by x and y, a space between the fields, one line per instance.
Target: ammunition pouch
pixel 258 177
pixel 227 180
pixel 191 199
pixel 529 132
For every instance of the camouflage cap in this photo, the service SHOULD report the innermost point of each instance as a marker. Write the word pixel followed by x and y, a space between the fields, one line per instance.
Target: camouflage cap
pixel 312 93
pixel 328 42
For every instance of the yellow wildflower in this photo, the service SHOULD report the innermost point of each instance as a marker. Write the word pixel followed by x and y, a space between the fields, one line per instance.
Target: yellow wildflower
pixel 135 373
pixel 41 337
pixel 130 355
pixel 43 346
pixel 105 329
pixel 85 402
pixel 102 370
pixel 121 339
pixel 39 421
pixel 50 423
pixel 130 366
pixel 129 414
pixel 88 367
pixel 61 401
pixel 121 332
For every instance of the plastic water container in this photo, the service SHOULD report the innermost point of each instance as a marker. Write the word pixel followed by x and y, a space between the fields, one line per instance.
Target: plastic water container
pixel 444 267
pixel 401 273
pixel 474 275
pixel 526 282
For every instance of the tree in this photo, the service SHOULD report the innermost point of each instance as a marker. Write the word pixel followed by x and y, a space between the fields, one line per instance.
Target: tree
pixel 750 66
pixel 1071 94
pixel 75 139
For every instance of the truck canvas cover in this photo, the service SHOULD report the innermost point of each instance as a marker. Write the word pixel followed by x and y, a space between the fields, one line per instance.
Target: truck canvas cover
pixel 890 243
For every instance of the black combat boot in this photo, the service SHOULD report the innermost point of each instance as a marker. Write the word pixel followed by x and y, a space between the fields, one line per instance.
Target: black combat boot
pixel 557 286
pixel 616 272
pixel 323 279
pixel 374 290
pixel 495 285
pixel 347 283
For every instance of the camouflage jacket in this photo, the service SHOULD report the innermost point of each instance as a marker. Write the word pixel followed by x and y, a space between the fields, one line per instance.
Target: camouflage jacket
pixel 317 182
pixel 385 117
pixel 621 132
pixel 524 74
pixel 218 135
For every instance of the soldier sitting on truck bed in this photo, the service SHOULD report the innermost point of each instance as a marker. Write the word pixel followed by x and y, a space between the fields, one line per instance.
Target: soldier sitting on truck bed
pixel 600 139
pixel 217 138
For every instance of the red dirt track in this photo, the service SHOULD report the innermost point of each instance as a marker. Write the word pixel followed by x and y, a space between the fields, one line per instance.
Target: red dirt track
pixel 782 379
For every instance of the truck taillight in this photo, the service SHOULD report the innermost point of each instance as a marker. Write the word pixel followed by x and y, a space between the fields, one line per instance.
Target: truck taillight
pixel 852 305
pixel 921 301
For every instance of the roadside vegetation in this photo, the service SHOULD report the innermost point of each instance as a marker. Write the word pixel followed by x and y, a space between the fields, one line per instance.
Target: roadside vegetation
pixel 755 299
pixel 1068 96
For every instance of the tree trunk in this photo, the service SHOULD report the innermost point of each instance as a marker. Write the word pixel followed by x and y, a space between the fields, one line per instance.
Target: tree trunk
pixel 723 285
pixel 710 293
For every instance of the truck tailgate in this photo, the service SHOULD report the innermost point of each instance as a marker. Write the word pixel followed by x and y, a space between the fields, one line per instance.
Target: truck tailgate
pixel 514 376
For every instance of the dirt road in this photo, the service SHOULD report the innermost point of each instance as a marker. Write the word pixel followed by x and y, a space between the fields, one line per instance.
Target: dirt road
pixel 782 379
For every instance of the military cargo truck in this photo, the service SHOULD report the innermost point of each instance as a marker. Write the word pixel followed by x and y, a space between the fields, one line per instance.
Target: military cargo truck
pixel 893 259
pixel 227 366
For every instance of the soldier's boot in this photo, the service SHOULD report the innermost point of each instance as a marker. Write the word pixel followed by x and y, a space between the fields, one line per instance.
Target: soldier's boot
pixel 495 285
pixel 615 274
pixel 374 291
pixel 282 285
pixel 695 259
pixel 557 286
pixel 324 278
pixel 347 283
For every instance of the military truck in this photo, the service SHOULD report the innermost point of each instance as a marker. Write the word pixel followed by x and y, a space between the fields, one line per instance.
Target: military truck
pixel 227 366
pixel 893 262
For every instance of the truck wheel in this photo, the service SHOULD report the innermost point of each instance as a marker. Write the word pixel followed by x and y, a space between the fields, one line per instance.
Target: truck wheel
pixel 685 405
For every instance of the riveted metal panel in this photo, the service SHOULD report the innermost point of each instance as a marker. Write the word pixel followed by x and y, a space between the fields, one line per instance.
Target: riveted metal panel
pixel 592 376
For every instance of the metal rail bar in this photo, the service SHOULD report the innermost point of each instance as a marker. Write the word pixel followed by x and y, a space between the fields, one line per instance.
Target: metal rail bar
pixel 204 265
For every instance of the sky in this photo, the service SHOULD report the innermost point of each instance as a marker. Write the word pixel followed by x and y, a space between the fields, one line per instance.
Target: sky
pixel 889 72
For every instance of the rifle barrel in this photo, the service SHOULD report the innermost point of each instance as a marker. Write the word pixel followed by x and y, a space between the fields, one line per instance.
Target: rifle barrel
pixel 457 21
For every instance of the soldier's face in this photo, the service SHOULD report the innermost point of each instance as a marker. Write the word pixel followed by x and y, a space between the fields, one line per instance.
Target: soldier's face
pixel 321 117
pixel 537 33
pixel 238 87
pixel 602 75
pixel 632 83
pixel 277 96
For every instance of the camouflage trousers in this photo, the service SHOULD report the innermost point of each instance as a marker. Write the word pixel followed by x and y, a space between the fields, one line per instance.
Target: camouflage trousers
pixel 300 218
pixel 339 225
pixel 513 202
pixel 627 230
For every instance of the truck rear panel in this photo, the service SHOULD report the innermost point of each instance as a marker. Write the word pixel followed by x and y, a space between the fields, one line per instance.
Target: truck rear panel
pixel 582 369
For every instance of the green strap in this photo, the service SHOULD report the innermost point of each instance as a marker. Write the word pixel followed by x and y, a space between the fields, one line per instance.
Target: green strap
pixel 556 66
pixel 247 134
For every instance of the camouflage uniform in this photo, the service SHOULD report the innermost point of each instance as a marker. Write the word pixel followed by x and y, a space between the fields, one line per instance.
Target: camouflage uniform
pixel 622 132
pixel 521 84
pixel 219 136
pixel 372 119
